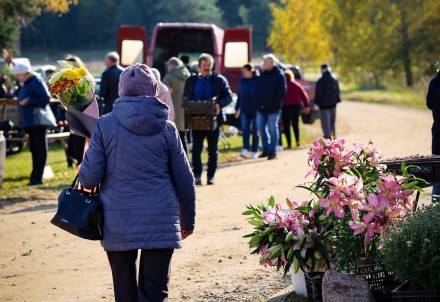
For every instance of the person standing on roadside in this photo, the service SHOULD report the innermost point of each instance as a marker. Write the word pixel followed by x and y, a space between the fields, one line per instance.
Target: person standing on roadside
pixel 175 79
pixel 246 110
pixel 270 92
pixel 33 94
pixel 433 103
pixel 164 94
pixel 110 81
pixel 296 97
pixel 207 85
pixel 327 96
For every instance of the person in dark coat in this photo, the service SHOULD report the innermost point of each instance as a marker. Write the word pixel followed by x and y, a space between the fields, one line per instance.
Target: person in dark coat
pixel 246 110
pixel 147 187
pixel 295 100
pixel 327 96
pixel 110 81
pixel 433 103
pixel 33 94
pixel 270 92
pixel 207 85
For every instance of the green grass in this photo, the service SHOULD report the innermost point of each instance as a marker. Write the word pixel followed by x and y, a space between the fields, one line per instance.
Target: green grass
pixel 409 98
pixel 292 297
pixel 18 168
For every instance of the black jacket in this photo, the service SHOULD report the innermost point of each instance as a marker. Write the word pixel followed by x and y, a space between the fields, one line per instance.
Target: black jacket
pixel 222 90
pixel 109 86
pixel 327 92
pixel 270 91
pixel 433 103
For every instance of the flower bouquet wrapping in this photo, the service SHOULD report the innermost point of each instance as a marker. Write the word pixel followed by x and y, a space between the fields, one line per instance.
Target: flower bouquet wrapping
pixel 353 202
pixel 72 87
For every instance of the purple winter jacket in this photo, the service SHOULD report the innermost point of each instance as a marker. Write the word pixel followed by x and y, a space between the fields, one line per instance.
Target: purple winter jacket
pixel 148 189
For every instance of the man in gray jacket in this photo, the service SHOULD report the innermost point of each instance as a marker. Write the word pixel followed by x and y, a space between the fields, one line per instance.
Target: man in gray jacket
pixel 175 79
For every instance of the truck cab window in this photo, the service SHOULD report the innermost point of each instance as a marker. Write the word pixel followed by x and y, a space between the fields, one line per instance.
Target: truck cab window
pixel 132 52
pixel 236 54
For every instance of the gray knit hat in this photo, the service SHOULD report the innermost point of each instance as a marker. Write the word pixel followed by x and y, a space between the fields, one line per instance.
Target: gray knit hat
pixel 138 80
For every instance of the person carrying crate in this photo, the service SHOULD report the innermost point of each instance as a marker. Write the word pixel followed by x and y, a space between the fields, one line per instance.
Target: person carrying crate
pixel 205 94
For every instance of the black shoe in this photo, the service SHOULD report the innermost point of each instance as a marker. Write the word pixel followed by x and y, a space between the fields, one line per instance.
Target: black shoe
pixel 272 156
pixel 298 144
pixel 263 155
pixel 34 183
pixel 211 181
pixel 198 181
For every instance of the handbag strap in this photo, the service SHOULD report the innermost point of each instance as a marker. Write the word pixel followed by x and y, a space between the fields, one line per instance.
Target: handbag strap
pixel 76 183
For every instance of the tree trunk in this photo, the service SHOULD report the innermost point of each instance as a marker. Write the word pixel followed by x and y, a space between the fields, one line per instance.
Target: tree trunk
pixel 406 48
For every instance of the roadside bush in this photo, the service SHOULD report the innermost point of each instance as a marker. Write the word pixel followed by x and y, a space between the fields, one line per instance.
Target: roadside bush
pixel 412 249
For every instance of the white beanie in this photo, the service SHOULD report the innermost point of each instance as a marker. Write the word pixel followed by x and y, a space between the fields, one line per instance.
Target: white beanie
pixel 21 68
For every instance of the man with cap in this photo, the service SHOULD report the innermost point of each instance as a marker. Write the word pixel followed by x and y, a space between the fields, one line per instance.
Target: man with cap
pixel 270 92
pixel 175 79
pixel 207 85
pixel 110 80
pixel 433 103
pixel 327 96
pixel 33 94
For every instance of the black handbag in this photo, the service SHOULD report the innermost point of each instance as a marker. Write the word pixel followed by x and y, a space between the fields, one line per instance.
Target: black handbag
pixel 43 116
pixel 79 212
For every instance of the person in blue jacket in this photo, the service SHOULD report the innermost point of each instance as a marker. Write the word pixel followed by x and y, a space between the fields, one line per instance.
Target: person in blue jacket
pixel 204 86
pixel 33 94
pixel 433 103
pixel 147 187
pixel 270 92
pixel 246 110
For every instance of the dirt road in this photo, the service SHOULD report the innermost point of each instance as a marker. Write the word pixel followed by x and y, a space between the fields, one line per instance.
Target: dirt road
pixel 38 262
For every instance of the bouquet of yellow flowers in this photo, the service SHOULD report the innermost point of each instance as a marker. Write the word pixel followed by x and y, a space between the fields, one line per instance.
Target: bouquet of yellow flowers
pixel 72 87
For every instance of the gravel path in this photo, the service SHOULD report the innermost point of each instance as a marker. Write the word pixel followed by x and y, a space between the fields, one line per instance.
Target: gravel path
pixel 38 262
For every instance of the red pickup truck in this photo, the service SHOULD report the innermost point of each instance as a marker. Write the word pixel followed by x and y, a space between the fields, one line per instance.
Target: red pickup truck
pixel 231 48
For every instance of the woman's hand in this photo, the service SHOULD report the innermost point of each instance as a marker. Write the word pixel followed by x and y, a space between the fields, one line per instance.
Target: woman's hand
pixel 185 234
pixel 218 109
pixel 237 113
pixel 24 102
pixel 306 110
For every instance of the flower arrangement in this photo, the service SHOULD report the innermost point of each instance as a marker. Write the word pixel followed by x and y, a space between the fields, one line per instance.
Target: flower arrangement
pixel 71 86
pixel 353 201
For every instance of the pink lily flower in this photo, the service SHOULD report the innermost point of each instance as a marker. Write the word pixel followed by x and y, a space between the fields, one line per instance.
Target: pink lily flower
pixel 332 204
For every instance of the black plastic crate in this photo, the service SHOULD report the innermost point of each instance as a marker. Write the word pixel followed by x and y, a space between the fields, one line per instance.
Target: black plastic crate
pixel 200 107
pixel 380 279
pixel 403 294
pixel 314 286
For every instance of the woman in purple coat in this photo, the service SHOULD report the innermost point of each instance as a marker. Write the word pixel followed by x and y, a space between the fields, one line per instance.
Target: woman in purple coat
pixel 147 187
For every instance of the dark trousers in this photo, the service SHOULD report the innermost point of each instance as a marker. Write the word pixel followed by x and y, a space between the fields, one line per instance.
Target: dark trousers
pixel 75 148
pixel 154 275
pixel 436 151
pixel 38 148
pixel 290 115
pixel 198 138
pixel 182 135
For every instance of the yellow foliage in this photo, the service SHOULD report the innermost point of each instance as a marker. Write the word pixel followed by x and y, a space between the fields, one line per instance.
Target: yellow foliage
pixel 297 32
pixel 55 6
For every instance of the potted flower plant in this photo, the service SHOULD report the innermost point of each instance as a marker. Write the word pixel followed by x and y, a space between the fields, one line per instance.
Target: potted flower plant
pixel 353 200
pixel 411 250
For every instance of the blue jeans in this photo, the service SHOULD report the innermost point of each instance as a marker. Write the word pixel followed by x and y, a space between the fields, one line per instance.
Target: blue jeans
pixel 328 121
pixel 248 127
pixel 269 130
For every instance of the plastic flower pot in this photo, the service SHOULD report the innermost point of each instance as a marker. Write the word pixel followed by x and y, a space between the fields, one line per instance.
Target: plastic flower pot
pixel 299 283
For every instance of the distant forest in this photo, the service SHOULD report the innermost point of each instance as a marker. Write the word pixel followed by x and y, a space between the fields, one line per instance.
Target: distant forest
pixel 93 23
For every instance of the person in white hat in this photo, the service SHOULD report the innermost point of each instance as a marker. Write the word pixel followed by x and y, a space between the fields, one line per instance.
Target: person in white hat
pixel 33 94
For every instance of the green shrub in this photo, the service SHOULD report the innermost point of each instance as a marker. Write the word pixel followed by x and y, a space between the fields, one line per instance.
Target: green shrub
pixel 412 249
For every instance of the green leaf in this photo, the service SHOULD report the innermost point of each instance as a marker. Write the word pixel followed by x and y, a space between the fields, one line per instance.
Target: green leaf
pixel 254 241
pixel 295 264
pixel 272 201
pixel 248 212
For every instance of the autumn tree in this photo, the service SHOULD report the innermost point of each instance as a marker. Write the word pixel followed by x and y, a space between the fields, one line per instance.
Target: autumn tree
pixel 16 13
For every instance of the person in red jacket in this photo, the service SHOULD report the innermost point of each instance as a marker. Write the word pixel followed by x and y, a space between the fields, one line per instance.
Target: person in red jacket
pixel 296 97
